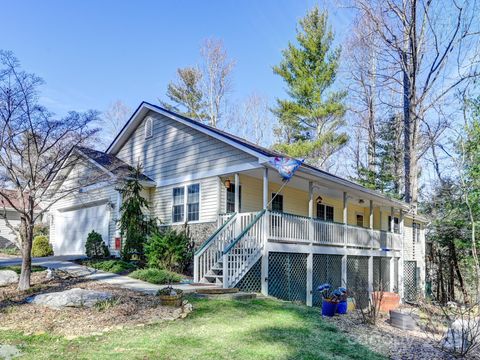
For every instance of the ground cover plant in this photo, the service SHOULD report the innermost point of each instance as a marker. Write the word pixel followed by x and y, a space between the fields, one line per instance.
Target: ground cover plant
pixel 115 266
pixel 156 276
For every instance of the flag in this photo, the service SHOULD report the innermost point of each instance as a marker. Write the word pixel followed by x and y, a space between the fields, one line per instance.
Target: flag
pixel 286 167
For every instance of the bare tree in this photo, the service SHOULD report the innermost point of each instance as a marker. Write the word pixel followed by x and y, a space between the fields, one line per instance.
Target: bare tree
pixel 217 79
pixel 427 49
pixel 253 119
pixel 113 119
pixel 34 148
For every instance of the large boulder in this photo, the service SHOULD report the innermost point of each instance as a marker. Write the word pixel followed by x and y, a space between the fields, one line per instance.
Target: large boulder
pixel 71 298
pixel 8 277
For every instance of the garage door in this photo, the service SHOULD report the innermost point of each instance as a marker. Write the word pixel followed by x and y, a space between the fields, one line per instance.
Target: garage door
pixel 72 228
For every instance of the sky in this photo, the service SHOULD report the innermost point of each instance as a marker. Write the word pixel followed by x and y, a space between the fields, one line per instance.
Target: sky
pixel 92 53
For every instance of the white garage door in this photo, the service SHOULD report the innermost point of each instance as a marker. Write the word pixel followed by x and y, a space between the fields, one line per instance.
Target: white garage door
pixel 72 228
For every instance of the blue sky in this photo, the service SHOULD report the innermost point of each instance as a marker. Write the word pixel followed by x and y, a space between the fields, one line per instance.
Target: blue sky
pixel 92 53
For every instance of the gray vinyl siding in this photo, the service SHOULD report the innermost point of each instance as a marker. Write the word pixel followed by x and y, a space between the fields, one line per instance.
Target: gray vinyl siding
pixel 7 236
pixel 209 194
pixel 176 150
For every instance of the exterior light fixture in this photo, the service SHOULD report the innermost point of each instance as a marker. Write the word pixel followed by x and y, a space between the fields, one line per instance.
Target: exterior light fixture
pixel 319 199
pixel 227 183
pixel 361 201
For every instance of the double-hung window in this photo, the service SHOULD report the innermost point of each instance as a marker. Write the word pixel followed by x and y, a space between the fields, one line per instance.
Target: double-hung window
pixel 231 198
pixel 186 202
pixel 325 212
pixel 396 225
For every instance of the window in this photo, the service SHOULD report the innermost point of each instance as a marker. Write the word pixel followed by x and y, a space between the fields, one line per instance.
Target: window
pixel 231 198
pixel 360 220
pixel 178 204
pixel 396 225
pixel 325 212
pixel 416 232
pixel 148 128
pixel 277 203
pixel 186 200
pixel 193 202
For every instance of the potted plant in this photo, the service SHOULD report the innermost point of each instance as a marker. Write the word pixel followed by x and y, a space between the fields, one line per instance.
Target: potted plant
pixel 170 296
pixel 333 300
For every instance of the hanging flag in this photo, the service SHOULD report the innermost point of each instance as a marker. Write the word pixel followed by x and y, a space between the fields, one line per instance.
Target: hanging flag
pixel 286 167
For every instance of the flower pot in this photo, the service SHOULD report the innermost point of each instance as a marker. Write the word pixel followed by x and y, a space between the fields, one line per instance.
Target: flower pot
pixel 342 307
pixel 171 300
pixel 328 308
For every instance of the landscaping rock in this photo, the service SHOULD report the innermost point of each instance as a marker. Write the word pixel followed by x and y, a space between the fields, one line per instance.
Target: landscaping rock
pixel 8 352
pixel 8 277
pixel 460 333
pixel 71 298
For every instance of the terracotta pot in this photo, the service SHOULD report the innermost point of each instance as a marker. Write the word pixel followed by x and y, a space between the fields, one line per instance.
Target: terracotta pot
pixel 389 300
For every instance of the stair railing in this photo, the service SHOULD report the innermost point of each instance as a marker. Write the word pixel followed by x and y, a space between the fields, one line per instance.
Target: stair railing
pixel 244 251
pixel 211 251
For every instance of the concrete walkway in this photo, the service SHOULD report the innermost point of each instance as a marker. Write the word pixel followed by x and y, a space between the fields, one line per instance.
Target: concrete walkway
pixel 64 263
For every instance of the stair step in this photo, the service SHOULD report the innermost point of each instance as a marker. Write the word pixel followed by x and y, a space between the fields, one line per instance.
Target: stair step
pixel 214 276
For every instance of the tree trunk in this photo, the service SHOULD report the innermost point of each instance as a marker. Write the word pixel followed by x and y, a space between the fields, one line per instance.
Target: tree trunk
pixel 27 229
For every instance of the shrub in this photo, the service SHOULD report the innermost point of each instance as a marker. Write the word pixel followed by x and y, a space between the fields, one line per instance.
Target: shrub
pixel 41 246
pixel 169 250
pixel 40 229
pixel 156 276
pixel 113 266
pixel 95 248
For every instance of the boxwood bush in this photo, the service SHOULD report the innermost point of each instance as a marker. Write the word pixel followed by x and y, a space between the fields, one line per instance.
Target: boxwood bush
pixel 95 248
pixel 41 246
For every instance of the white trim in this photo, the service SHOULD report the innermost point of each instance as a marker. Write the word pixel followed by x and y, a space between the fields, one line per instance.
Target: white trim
pixel 84 205
pixel 185 204
pixel 206 174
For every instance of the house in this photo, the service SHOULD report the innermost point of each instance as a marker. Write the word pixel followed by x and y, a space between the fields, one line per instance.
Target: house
pixel 320 228
pixel 8 216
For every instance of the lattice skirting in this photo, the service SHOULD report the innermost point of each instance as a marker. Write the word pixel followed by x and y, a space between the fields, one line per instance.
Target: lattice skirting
pixel 357 278
pixel 381 274
pixel 326 269
pixel 410 280
pixel 287 276
pixel 252 281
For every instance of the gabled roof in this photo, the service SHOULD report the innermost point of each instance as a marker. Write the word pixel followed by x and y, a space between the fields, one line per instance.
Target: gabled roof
pixel 13 198
pixel 263 154
pixel 111 163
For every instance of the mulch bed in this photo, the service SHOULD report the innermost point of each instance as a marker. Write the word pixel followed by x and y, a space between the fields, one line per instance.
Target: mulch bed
pixel 392 342
pixel 129 308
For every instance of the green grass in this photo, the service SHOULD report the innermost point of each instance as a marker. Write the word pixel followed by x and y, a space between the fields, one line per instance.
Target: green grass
pixel 18 268
pixel 113 266
pixel 253 329
pixel 156 276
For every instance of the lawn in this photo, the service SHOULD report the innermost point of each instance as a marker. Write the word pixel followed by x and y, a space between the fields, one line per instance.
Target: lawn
pixel 18 268
pixel 253 329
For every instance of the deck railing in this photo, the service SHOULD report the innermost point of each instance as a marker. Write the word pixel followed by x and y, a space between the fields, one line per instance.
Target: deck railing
pixel 295 228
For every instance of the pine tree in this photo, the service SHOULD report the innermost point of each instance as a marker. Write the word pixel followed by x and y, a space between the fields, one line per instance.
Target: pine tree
pixel 186 94
pixel 389 156
pixel 311 118
pixel 135 227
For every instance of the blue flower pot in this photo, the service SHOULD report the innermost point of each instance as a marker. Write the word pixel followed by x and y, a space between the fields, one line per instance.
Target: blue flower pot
pixel 342 307
pixel 328 308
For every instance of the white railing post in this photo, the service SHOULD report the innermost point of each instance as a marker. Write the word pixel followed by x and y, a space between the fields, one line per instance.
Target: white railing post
pixel 196 277
pixel 345 230
pixel 311 230
pixel 264 261
pixel 401 259
pixel 392 274
pixel 225 271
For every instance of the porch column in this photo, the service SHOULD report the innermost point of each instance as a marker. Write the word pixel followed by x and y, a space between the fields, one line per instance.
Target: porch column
pixel 345 221
pixel 370 258
pixel 265 187
pixel 401 259
pixel 392 221
pixel 264 261
pixel 310 254
pixel 237 193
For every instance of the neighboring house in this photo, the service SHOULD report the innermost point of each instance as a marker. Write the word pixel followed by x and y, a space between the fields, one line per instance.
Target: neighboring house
pixel 8 216
pixel 321 228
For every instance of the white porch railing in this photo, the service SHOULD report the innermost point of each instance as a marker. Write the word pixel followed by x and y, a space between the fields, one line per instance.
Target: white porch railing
pixel 211 251
pixel 244 251
pixel 294 228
